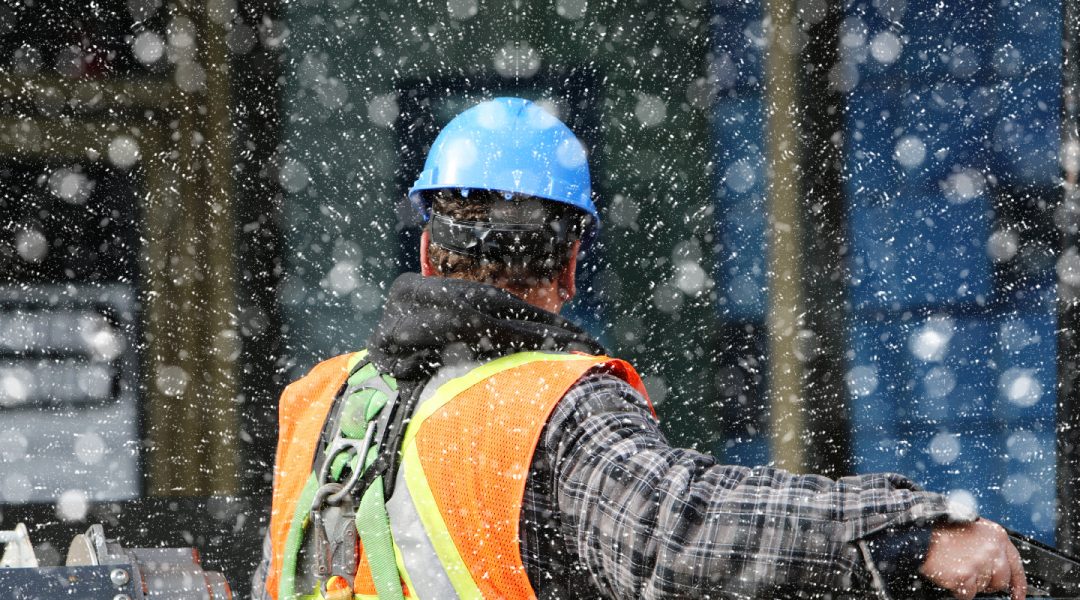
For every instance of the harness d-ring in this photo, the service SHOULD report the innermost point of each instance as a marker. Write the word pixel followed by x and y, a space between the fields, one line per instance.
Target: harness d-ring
pixel 357 447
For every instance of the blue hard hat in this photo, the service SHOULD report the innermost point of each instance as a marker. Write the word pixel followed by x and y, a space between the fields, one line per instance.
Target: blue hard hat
pixel 508 145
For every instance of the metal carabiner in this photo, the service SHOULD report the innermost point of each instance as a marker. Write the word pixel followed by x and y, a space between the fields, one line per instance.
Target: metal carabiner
pixel 358 448
pixel 325 491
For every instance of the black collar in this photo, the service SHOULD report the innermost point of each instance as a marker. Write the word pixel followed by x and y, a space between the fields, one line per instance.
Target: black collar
pixel 432 321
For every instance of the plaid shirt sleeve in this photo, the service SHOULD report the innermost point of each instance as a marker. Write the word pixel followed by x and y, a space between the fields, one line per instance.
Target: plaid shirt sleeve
pixel 645 520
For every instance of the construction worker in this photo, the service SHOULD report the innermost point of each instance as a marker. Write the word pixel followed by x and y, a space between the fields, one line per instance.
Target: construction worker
pixel 483 446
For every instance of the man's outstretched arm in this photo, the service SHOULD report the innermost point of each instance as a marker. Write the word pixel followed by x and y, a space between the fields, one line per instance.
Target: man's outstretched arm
pixel 649 520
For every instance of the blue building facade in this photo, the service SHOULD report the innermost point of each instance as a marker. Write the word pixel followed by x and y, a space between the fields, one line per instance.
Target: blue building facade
pixel 950 168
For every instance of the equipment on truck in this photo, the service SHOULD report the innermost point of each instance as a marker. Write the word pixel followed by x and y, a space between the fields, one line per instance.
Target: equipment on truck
pixel 1051 575
pixel 100 569
pixel 1048 570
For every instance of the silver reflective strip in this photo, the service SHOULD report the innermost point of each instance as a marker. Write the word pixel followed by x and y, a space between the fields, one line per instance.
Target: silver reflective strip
pixel 426 571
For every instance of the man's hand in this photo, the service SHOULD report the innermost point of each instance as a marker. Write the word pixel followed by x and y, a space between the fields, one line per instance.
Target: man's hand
pixel 972 558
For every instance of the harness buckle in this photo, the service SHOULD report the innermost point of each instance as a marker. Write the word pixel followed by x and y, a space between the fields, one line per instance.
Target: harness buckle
pixel 322 539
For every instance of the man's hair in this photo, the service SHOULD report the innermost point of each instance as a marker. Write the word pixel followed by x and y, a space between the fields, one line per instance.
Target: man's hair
pixel 515 270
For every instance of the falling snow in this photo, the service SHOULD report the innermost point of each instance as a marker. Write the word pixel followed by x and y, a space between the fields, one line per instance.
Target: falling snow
pixel 199 201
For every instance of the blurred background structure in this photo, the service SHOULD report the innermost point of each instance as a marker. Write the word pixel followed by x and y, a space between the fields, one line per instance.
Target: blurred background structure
pixel 838 236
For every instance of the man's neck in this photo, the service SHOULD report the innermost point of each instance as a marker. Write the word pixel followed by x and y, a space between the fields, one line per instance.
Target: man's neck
pixel 545 297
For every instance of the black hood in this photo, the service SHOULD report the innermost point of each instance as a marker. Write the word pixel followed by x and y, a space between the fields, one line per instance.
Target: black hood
pixel 432 321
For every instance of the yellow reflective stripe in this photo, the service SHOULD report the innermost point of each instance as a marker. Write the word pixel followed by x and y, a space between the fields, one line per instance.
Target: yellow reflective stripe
pixel 423 499
pixel 439 535
pixel 401 569
pixel 452 388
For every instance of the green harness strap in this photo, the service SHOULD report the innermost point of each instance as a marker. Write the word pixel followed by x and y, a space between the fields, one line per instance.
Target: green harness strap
pixel 373 525
pixel 372 520
pixel 295 538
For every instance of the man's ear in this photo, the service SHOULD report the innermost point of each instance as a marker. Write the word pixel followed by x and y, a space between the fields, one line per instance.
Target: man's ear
pixel 426 268
pixel 568 278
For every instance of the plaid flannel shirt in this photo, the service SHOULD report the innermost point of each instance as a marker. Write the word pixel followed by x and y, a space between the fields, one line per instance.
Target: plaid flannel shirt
pixel 612 510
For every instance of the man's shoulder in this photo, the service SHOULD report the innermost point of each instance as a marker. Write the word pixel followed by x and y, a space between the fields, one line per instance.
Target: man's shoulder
pixel 325 375
pixel 599 392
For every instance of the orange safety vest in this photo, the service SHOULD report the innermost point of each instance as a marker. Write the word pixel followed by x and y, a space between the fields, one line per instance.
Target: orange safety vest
pixel 464 462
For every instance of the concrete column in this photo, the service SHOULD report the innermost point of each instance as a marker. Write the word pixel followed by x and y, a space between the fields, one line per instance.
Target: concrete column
pixel 785 271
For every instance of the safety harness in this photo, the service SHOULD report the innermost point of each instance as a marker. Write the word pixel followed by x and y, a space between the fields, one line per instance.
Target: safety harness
pixel 344 500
